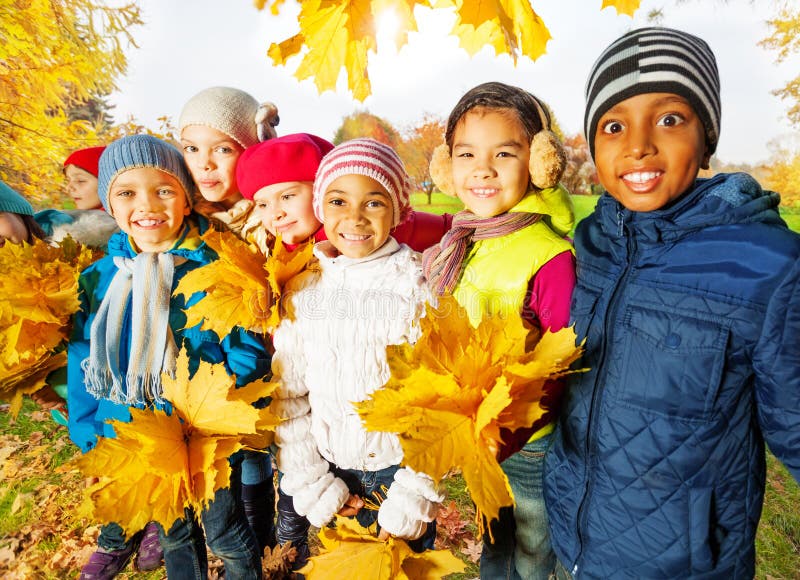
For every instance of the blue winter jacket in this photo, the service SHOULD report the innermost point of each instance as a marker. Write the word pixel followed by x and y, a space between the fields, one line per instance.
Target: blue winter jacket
pixel 243 353
pixel 691 316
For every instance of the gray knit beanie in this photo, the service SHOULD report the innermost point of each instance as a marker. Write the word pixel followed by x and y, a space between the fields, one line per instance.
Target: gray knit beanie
pixel 12 202
pixel 232 112
pixel 655 60
pixel 140 151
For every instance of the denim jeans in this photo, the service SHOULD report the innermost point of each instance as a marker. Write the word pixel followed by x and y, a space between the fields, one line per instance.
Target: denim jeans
pixel 112 537
pixel 372 486
pixel 228 535
pixel 521 548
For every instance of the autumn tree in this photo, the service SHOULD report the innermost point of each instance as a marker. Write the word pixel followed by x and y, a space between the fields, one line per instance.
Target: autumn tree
pixel 785 38
pixel 580 175
pixel 783 176
pixel 365 124
pixel 416 150
pixel 54 57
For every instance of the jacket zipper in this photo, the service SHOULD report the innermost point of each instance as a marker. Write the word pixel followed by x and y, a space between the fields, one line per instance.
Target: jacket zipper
pixel 608 332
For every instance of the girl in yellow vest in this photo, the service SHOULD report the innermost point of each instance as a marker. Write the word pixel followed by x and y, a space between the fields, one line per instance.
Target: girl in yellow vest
pixel 507 252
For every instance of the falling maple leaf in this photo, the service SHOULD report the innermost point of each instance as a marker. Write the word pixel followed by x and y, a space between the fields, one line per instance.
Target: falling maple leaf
pixel 341 33
pixel 622 6
pixel 453 391
pixel 38 296
pixel 351 551
pixel 242 288
pixel 161 463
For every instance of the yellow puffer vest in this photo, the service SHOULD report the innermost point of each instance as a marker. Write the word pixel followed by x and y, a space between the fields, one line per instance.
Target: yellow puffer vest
pixel 497 271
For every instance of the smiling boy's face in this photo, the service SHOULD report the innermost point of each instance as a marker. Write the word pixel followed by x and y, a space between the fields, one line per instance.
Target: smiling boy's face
pixel 149 205
pixel 649 149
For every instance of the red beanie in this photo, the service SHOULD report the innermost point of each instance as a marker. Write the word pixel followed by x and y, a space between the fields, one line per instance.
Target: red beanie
pixel 86 159
pixel 282 159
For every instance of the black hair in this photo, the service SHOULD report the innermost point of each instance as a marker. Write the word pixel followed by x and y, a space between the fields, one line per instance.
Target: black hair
pixel 494 95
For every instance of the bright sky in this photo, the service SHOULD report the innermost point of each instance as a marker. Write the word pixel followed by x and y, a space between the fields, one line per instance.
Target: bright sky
pixel 186 46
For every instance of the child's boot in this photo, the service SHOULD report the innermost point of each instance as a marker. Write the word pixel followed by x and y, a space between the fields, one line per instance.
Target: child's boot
pixel 150 554
pixel 259 507
pixel 106 564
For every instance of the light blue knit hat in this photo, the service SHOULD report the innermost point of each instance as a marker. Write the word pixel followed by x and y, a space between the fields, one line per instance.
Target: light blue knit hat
pixel 141 151
pixel 12 202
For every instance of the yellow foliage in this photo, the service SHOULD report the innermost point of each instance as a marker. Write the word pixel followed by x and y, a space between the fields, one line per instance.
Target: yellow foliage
pixel 161 463
pixel 785 39
pixel 453 391
pixel 53 56
pixel 340 33
pixel 350 551
pixel 623 6
pixel 243 287
pixel 38 295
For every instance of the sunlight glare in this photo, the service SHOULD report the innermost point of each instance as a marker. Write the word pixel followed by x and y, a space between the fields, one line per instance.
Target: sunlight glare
pixel 387 29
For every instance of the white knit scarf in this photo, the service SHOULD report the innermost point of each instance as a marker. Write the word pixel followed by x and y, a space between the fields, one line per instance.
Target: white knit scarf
pixel 148 279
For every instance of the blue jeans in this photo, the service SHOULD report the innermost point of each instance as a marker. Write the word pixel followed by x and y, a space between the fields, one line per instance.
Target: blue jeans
pixel 228 535
pixel 372 486
pixel 112 537
pixel 521 548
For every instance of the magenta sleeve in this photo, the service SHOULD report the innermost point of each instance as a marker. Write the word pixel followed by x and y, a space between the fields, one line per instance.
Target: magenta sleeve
pixel 550 293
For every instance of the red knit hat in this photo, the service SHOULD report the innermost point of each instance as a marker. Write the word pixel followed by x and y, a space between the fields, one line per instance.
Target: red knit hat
pixel 279 160
pixel 86 159
pixel 370 158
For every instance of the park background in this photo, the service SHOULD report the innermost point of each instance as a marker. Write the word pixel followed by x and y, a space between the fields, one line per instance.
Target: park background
pixel 75 74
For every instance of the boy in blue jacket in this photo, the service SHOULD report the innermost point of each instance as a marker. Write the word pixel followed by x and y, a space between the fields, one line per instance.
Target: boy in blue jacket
pixel 688 295
pixel 129 330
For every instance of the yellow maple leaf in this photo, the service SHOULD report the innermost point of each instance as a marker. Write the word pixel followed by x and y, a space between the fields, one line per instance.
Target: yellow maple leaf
pixel 452 392
pixel 351 551
pixel 242 287
pixel 38 296
pixel 161 463
pixel 628 7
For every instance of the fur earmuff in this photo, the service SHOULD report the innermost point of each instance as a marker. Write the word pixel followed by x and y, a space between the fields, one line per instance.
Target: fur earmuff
pixel 548 160
pixel 441 169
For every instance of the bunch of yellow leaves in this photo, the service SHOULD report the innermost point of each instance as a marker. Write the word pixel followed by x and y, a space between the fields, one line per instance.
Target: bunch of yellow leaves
pixel 161 463
pixel 453 391
pixel 340 33
pixel 350 551
pixel 243 287
pixel 38 295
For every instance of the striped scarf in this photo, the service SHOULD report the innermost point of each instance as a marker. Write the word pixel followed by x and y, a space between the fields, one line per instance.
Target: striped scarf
pixel 147 278
pixel 443 263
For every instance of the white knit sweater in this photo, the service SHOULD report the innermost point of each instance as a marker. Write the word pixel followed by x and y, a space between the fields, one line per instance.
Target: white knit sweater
pixel 330 351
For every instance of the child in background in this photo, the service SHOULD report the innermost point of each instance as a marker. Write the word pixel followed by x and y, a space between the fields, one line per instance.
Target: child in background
pixel 278 176
pixel 88 224
pixel 16 218
pixel 364 292
pixel 216 125
pixel 145 186
pixel 507 252
pixel 688 296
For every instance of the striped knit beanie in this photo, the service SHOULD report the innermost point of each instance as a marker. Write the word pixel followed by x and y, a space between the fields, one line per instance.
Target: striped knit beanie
pixel 370 158
pixel 140 151
pixel 655 60
pixel 12 202
pixel 232 112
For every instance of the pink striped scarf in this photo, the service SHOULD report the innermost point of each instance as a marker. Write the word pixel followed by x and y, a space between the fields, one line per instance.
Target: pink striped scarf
pixel 443 263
